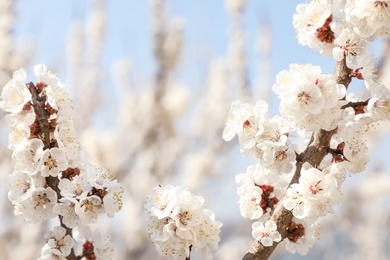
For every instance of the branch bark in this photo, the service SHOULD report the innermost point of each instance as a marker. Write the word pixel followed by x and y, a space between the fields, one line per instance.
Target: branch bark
pixel 314 153
pixel 38 103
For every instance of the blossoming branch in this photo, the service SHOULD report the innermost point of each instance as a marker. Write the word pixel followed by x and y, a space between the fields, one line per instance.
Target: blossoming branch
pixel 52 177
pixel 291 187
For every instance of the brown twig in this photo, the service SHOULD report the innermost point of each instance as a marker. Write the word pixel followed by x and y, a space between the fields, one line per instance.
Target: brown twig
pixel 317 149
pixel 38 103
pixel 356 104
pixel 189 257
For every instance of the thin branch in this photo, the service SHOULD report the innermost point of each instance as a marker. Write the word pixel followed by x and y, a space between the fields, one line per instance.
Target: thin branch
pixel 38 103
pixel 317 149
pixel 189 256
pixel 356 104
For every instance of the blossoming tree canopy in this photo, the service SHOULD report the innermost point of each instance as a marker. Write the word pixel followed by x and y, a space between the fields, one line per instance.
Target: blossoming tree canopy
pixel 303 155
pixel 52 177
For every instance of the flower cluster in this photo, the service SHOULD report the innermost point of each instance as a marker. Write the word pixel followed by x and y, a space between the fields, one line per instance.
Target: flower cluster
pixel 265 138
pixel 178 223
pixel 309 99
pixel 313 104
pixel 334 27
pixel 51 176
pixel 259 192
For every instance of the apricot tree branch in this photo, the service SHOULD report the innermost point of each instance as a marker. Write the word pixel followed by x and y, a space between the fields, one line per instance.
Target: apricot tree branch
pixel 38 103
pixel 314 153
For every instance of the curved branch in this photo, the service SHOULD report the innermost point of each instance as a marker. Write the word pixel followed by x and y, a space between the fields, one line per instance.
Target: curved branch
pixel 317 149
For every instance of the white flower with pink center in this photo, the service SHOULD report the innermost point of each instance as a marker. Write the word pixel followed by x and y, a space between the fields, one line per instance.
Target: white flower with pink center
pixel 266 233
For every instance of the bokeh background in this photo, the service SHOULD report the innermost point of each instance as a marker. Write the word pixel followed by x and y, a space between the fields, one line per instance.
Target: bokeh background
pixel 152 83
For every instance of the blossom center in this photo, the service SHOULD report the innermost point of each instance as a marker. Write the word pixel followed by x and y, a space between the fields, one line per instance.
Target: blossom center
pixel 280 156
pixel 42 200
pixel 60 243
pixel 303 97
pixel 184 217
pixel 315 188
pixel 247 123
pixel 51 163
pixel 349 49
pixel 380 4
pixel 88 205
pixel 25 186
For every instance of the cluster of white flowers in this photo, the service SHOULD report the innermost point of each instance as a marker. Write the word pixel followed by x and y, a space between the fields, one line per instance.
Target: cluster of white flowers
pixel 309 99
pixel 178 223
pixel 51 176
pixel 312 102
pixel 338 28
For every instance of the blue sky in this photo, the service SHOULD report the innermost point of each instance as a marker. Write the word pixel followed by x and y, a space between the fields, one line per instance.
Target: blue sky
pixel 128 33
pixel 47 23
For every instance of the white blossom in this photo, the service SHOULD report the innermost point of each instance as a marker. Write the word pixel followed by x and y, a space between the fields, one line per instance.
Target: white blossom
pixel 355 152
pixel 185 224
pixel 312 24
pixel 46 76
pixel 250 202
pixel 20 185
pixel 266 233
pixel 309 99
pixel 112 199
pixel 67 209
pixel 52 254
pixel 15 94
pixel 18 138
pixel 296 202
pixel 38 206
pixel 245 120
pixel 253 201
pixel 65 135
pixel 369 18
pixel 101 244
pixel 278 159
pixel 27 160
pixel 320 188
pixel 75 187
pixel 25 117
pixel 275 131
pixel 378 107
pixel 57 239
pixel 53 162
pixel 89 208
pixel 369 72
pixel 106 188
pixel 350 46
pixel 162 201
